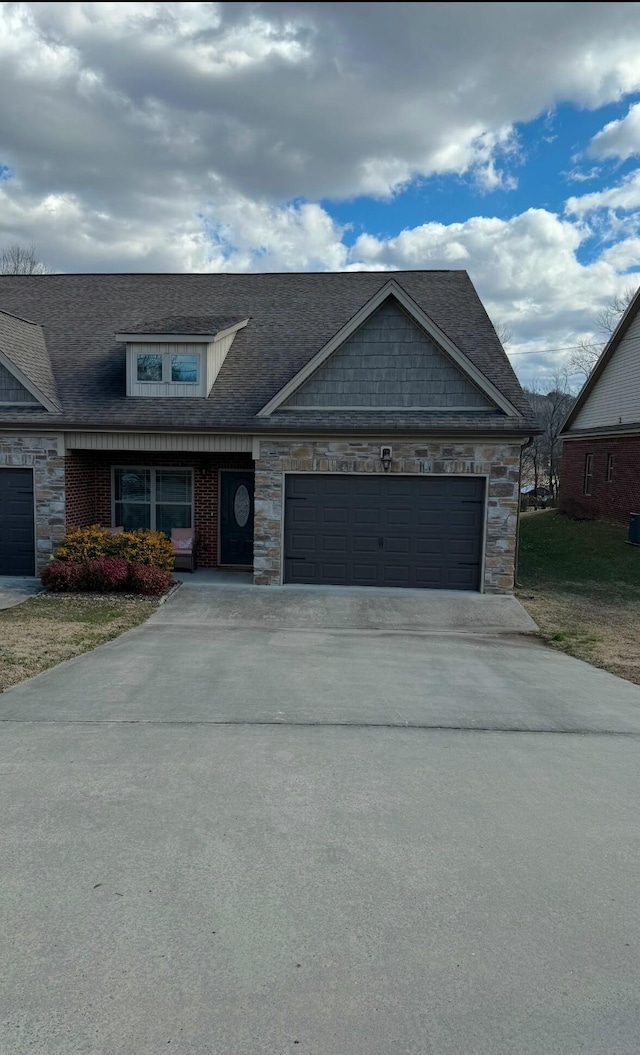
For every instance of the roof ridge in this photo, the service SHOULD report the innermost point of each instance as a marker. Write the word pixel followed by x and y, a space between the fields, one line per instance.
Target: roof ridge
pixel 244 274
pixel 20 318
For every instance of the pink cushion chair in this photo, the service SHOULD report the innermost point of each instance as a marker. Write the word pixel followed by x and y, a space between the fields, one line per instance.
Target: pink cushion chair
pixel 184 549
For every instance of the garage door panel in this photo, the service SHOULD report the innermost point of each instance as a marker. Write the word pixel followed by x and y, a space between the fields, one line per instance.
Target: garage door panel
pixel 333 516
pixel 301 544
pixel 303 515
pixel 411 531
pixel 429 547
pixel 17 542
pixel 366 517
pixel 365 544
pixel 430 518
pixel 428 577
pixel 398 517
pixel 364 574
pixel 398 547
pixel 334 544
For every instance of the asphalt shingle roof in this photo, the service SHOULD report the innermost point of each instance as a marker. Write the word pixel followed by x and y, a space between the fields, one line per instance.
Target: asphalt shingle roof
pixel 24 345
pixel 291 316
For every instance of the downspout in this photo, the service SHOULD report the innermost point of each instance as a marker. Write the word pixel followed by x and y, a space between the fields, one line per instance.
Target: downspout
pixel 516 584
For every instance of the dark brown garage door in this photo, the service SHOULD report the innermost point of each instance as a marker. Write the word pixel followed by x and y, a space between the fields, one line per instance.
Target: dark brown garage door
pixel 413 531
pixel 16 522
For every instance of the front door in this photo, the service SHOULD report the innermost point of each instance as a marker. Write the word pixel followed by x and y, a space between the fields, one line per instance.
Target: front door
pixel 236 517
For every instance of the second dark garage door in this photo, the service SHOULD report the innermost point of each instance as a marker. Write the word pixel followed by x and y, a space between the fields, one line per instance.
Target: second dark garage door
pixel 412 531
pixel 16 522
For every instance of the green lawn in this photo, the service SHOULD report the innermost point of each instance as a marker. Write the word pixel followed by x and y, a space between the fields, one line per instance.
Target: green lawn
pixel 585 554
pixel 580 581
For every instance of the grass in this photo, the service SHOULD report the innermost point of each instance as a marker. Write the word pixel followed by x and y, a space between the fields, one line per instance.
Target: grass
pixel 580 581
pixel 50 628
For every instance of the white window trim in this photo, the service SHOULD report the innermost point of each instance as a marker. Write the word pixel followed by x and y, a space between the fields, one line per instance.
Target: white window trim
pixel 166 368
pixel 152 469
pixel 587 480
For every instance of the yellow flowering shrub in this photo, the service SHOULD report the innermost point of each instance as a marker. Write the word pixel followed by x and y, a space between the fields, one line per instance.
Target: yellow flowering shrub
pixel 136 547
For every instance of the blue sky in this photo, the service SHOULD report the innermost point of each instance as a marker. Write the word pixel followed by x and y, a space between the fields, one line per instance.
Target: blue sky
pixel 547 165
pixel 501 138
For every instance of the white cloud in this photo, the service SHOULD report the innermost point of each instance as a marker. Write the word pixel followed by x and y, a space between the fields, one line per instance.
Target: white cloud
pixel 619 139
pixel 527 272
pixel 198 136
pixel 624 196
pixel 279 101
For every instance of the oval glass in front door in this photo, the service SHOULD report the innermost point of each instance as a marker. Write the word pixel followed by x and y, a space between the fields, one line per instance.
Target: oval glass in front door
pixel 241 505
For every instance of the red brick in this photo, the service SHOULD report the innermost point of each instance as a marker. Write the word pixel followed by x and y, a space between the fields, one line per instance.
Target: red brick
pixel 88 482
pixel 611 501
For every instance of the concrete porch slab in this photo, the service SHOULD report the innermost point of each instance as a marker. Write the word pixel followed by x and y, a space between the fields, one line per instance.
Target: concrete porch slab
pixel 15 589
pixel 231 603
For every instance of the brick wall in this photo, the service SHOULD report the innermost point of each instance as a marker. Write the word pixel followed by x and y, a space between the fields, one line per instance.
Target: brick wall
pixel 89 475
pixel 610 500
pixel 80 483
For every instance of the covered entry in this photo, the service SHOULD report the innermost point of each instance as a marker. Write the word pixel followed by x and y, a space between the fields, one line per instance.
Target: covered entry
pixel 17 544
pixel 378 530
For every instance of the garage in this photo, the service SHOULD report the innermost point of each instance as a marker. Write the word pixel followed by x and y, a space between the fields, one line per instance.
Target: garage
pixel 374 530
pixel 17 553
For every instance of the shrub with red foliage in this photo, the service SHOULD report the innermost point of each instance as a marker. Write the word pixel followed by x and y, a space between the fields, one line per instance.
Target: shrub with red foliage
pixel 63 576
pixel 106 574
pixel 145 578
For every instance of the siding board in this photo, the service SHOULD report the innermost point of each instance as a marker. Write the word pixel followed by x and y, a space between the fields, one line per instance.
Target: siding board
pixel 11 391
pixel 389 362
pixel 615 399
pixel 136 441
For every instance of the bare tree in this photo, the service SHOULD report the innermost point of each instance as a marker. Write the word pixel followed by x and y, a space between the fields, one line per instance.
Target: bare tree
pixel 584 357
pixel 543 456
pixel 557 405
pixel 505 335
pixel 609 317
pixel 533 455
pixel 19 259
pixel 587 353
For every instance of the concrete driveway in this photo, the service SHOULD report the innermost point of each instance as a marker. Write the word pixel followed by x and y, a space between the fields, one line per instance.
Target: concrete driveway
pixel 244 838
pixel 14 589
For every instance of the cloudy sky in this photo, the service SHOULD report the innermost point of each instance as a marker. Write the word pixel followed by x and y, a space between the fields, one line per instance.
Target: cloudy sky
pixel 502 138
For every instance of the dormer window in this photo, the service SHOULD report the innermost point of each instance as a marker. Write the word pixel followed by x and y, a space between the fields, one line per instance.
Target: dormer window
pixel 165 367
pixel 185 368
pixel 167 363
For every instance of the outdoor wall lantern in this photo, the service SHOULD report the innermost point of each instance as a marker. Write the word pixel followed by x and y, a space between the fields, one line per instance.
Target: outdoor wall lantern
pixel 386 454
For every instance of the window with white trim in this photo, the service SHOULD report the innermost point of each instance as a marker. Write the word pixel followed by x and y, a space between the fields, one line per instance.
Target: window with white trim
pixel 161 499
pixel 588 474
pixel 609 468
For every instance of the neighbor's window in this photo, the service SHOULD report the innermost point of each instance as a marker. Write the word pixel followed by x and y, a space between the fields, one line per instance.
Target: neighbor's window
pixel 184 368
pixel 588 474
pixel 165 367
pixel 149 367
pixel 609 468
pixel 153 498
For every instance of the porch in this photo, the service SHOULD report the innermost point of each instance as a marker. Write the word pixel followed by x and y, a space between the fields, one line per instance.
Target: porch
pixel 165 490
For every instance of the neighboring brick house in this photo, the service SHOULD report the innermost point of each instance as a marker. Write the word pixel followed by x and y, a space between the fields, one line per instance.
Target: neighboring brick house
pixel 351 428
pixel 601 436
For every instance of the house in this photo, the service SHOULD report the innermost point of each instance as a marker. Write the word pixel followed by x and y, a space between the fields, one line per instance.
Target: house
pixel 349 428
pixel 601 436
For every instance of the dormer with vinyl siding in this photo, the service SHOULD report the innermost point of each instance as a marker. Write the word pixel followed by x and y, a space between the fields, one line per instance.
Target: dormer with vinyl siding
pixel 174 365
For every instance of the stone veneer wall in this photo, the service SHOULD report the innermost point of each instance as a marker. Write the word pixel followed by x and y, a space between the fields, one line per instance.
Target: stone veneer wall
pixel 500 461
pixel 42 453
